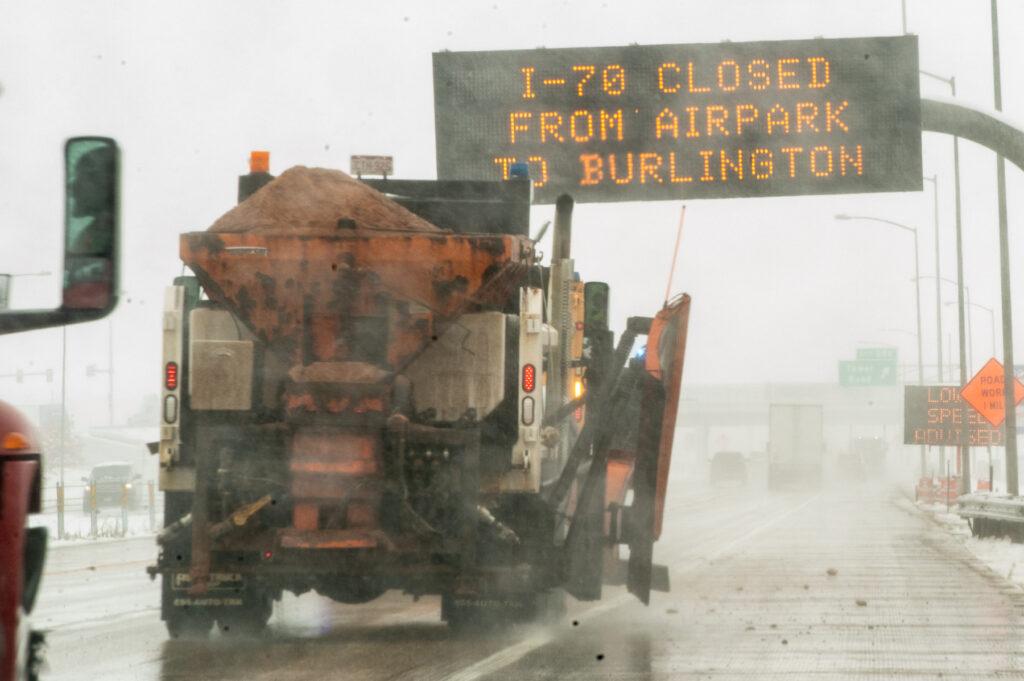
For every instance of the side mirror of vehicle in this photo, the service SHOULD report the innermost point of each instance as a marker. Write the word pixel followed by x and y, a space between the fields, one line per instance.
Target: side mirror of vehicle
pixel 91 238
pixel 137 476
pixel 85 480
pixel 91 166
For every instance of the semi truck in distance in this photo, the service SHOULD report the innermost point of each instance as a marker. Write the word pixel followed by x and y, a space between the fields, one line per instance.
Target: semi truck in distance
pixel 89 292
pixel 796 445
pixel 374 385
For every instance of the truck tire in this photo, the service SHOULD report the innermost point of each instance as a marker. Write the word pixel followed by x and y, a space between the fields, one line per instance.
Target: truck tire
pixel 249 619
pixel 188 623
pixel 351 590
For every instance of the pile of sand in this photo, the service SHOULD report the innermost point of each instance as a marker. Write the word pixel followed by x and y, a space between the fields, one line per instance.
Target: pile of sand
pixel 316 199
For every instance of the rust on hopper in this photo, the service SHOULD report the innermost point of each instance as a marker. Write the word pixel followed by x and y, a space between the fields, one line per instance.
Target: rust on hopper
pixel 319 293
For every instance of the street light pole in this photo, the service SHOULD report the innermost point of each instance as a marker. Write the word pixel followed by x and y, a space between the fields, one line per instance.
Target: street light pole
pixel 1012 483
pixel 991 321
pixel 951 81
pixel 110 370
pixel 970 328
pixel 917 293
pixel 63 394
pixel 992 330
pixel 934 179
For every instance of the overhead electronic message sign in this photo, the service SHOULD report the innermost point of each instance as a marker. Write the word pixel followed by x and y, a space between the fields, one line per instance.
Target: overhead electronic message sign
pixel 649 122
pixel 937 415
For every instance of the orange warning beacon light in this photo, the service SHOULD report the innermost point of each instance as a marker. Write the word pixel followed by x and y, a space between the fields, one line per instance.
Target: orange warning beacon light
pixel 259 161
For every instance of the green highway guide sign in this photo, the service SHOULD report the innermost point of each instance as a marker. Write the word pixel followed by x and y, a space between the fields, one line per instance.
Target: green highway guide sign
pixel 664 122
pixel 867 372
pixel 877 354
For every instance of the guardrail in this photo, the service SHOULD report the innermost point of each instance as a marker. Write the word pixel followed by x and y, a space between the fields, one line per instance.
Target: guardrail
pixel 993 516
pixel 64 507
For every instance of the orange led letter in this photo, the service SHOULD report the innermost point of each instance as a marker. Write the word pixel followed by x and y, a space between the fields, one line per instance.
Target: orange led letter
pixel 514 126
pixel 717 115
pixel 629 169
pixel 785 73
pixel 505 162
pixel 762 165
pixel 550 122
pixel 727 163
pixel 832 116
pixel 650 163
pixel 693 88
pixel 815 169
pixel 539 160
pixel 593 169
pixel 587 72
pixel 528 92
pixel 792 152
pixel 777 116
pixel 666 121
pixel 611 122
pixel 613 80
pixel 691 111
pixel 728 83
pixel 586 119
pixel 706 154
pixel 759 72
pixel 672 177
pixel 856 161
pixel 819 78
pixel 745 113
pixel 666 87
pixel 806 112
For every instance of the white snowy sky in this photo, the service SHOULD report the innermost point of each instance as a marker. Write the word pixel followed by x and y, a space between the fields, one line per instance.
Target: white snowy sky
pixel 781 291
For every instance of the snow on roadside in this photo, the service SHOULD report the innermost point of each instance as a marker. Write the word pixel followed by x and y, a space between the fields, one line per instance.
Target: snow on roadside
pixel 1001 555
pixel 77 526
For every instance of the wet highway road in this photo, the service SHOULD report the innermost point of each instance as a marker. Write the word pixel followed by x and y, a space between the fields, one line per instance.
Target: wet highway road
pixel 752 598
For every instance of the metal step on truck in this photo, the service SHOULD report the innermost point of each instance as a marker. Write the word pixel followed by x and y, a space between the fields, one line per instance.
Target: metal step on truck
pixel 374 385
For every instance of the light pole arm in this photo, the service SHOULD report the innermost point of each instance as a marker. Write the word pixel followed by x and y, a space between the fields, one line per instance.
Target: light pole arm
pixel 989 129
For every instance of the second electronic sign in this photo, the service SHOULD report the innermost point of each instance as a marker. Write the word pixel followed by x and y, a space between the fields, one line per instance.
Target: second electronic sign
pixel 936 415
pixel 670 121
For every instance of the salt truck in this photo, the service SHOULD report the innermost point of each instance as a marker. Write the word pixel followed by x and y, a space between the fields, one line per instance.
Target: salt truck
pixel 374 385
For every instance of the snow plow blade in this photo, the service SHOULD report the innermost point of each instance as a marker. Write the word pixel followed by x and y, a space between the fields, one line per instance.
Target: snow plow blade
pixel 630 434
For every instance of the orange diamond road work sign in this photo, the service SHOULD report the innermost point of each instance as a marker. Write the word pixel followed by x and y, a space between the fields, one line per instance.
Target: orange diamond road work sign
pixel 985 392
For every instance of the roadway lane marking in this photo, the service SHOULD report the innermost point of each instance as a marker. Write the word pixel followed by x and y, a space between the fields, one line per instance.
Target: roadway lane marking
pixel 508 656
pixel 89 624
pixel 759 529
pixel 97 568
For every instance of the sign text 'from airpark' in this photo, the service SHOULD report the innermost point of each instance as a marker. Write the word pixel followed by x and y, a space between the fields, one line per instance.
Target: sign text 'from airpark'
pixel 937 415
pixel 648 122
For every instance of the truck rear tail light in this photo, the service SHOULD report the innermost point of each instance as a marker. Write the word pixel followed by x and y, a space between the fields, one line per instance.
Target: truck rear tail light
pixel 170 409
pixel 528 411
pixel 529 378
pixel 171 376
